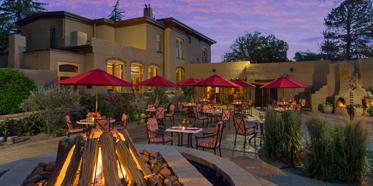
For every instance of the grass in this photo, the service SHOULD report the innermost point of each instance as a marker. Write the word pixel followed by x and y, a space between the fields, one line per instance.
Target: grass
pixel 338 152
pixel 281 133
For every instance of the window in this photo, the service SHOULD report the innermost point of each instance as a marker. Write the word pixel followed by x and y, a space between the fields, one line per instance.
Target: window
pixel 204 55
pixel 52 37
pixel 28 40
pixel 189 40
pixel 115 68
pixel 67 70
pixel 158 43
pixel 179 48
pixel 152 71
pixel 179 75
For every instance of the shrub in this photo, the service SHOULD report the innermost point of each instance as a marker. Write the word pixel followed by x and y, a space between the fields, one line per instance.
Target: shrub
pixel 327 104
pixel 54 102
pixel 370 111
pixel 338 153
pixel 23 127
pixel 281 133
pixel 163 99
pixel 189 93
pixel 358 106
pixel 14 87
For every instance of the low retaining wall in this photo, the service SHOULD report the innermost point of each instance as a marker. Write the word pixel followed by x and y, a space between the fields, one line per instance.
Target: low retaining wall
pixel 18 115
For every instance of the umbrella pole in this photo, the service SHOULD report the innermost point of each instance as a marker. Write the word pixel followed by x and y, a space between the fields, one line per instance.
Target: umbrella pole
pixel 96 98
pixel 283 94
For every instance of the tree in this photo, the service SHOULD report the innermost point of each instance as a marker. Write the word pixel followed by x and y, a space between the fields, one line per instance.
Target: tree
pixel 307 56
pixel 257 49
pixel 116 14
pixel 349 30
pixel 11 12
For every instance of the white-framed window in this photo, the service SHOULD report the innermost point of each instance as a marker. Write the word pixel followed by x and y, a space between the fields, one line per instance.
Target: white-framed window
pixel 159 43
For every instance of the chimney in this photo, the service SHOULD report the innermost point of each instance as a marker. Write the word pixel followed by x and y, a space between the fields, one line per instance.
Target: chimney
pixel 148 12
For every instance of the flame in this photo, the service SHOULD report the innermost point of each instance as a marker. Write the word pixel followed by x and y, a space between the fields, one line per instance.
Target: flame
pixel 98 178
pixel 341 104
pixel 121 171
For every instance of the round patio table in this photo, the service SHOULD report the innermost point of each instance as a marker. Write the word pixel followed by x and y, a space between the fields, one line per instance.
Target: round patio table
pixel 190 108
pixel 214 113
pixel 88 122
pixel 236 106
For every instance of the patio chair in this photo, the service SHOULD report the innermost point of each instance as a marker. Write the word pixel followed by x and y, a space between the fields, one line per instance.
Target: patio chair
pixel 225 117
pixel 198 117
pixel 123 123
pixel 270 107
pixel 146 116
pixel 70 128
pixel 153 133
pixel 231 110
pixel 159 114
pixel 303 103
pixel 205 108
pixel 103 124
pixel 170 114
pixel 205 102
pixel 196 100
pixel 241 129
pixel 182 110
pixel 244 108
pixel 215 140
pixel 250 107
pixel 199 108
pixel 298 109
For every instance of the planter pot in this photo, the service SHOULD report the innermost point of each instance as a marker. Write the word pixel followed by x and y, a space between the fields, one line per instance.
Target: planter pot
pixel 327 110
pixel 359 111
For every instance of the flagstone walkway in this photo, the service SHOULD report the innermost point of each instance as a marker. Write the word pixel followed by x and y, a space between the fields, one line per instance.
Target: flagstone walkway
pixel 247 158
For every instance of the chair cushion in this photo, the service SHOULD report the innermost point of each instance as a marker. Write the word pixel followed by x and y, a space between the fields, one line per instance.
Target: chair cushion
pixel 168 115
pixel 206 143
pixel 248 131
pixel 159 139
pixel 118 127
pixel 75 130
pixel 202 117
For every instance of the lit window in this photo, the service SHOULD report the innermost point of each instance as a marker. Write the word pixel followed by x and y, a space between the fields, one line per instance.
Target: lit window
pixel 158 43
pixel 204 55
pixel 179 75
pixel 179 48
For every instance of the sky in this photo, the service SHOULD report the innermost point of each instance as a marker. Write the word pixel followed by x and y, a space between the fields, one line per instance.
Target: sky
pixel 298 22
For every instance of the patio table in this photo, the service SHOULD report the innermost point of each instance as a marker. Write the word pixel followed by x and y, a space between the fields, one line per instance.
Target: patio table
pixel 189 130
pixel 213 112
pixel 260 123
pixel 236 106
pixel 88 122
pixel 190 108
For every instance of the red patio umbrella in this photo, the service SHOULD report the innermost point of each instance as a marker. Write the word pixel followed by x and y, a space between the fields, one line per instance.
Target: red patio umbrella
pixel 216 81
pixel 157 81
pixel 243 84
pixel 188 82
pixel 284 82
pixel 95 77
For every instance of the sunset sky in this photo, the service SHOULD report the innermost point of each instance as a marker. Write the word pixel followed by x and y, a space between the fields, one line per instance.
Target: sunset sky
pixel 298 22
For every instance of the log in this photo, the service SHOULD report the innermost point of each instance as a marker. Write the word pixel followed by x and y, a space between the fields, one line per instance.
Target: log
pixel 95 133
pixel 64 147
pixel 137 157
pixel 130 166
pixel 89 160
pixel 71 172
pixel 109 159
pixel 117 134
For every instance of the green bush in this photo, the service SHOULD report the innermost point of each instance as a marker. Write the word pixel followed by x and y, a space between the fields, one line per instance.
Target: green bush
pixel 281 133
pixel 23 127
pixel 338 152
pixel 14 87
pixel 54 102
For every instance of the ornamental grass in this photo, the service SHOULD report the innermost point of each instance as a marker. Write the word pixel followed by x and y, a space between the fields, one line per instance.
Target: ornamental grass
pixel 338 152
pixel 281 133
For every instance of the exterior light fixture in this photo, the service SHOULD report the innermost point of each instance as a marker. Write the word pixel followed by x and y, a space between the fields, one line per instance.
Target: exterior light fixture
pixel 291 69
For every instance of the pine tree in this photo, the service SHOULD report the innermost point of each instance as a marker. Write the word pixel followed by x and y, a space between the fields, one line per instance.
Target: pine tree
pixel 11 12
pixel 349 30
pixel 116 14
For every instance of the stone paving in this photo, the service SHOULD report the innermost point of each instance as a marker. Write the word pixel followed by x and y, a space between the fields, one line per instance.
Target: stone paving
pixel 247 158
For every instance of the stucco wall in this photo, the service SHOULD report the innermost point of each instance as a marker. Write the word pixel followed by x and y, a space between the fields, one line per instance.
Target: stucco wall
pixel 134 36
pixel 105 32
pixel 40 33
pixel 41 77
pixel 71 26
pixel 36 60
pixel 366 73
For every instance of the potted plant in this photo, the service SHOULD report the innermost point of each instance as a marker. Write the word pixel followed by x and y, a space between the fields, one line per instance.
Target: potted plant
pixel 367 100
pixel 327 108
pixel 358 109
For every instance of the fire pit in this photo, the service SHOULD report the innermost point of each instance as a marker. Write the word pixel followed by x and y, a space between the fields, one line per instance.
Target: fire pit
pixel 341 103
pixel 107 158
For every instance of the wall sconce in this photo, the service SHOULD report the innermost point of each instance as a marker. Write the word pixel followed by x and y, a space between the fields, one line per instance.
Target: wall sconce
pixel 213 70
pixel 244 79
pixel 35 55
pixel 291 69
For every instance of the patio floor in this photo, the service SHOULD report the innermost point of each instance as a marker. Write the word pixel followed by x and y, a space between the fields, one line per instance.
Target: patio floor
pixel 246 158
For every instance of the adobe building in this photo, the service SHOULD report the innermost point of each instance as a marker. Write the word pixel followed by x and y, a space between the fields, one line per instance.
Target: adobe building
pixel 53 46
